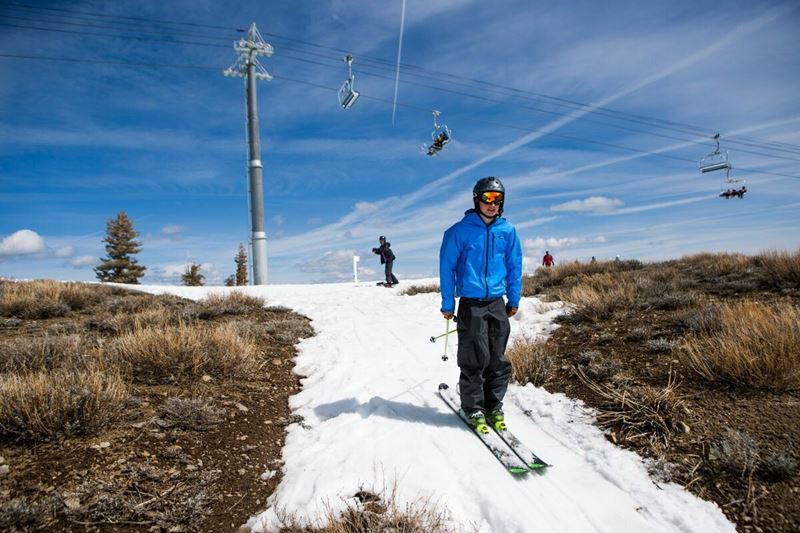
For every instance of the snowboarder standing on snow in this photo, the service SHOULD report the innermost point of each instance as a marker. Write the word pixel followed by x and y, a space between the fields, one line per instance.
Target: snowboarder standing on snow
pixel 387 259
pixel 480 261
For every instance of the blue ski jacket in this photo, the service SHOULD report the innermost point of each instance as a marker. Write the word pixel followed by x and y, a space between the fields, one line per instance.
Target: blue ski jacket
pixel 480 261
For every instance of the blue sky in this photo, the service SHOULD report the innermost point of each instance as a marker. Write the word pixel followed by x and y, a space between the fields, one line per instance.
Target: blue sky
pixel 81 141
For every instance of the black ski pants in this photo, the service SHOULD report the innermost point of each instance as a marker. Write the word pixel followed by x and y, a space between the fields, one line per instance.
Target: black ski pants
pixel 390 279
pixel 483 331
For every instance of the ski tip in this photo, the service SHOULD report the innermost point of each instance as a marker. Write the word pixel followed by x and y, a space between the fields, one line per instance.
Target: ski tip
pixel 518 470
pixel 538 466
pixel 443 386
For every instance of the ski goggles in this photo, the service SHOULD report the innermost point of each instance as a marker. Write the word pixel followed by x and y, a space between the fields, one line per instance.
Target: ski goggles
pixel 491 197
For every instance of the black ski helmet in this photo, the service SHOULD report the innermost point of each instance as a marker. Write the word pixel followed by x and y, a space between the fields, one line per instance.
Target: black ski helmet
pixel 488 184
pixel 382 238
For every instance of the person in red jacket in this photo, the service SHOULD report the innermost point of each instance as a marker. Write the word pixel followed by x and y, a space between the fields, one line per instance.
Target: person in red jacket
pixel 548 260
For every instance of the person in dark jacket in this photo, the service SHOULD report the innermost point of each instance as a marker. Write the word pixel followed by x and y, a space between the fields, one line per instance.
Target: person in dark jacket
pixel 387 259
pixel 480 261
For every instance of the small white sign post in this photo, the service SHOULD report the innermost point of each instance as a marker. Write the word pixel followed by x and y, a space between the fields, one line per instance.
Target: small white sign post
pixel 356 259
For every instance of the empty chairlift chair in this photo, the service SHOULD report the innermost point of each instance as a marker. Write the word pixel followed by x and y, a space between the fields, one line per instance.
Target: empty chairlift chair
pixel 347 94
pixel 716 160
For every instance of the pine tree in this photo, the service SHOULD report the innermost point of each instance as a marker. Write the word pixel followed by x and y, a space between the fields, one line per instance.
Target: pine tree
pixel 120 266
pixel 192 276
pixel 241 266
pixel 230 281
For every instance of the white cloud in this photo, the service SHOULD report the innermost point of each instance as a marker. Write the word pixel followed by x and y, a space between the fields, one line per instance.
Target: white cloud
pixel 542 243
pixel 314 221
pixel 278 220
pixel 84 261
pixel 22 242
pixel 171 229
pixel 593 204
pixel 66 251
pixel 332 266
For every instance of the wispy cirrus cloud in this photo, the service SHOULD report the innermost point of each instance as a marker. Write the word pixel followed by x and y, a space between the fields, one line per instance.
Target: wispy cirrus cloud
pixel 83 261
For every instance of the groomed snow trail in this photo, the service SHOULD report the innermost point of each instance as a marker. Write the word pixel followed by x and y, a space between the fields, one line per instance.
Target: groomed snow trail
pixel 373 420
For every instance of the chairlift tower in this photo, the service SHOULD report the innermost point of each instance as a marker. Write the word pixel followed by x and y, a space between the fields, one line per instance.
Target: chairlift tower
pixel 248 67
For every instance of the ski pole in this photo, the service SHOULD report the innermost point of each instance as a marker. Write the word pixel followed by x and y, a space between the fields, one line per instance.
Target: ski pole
pixel 448 332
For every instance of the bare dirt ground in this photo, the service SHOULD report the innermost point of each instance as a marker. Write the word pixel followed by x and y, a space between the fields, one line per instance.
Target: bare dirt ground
pixel 206 468
pixel 722 426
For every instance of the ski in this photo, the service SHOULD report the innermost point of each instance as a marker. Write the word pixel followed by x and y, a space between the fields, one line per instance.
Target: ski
pixel 499 449
pixel 523 452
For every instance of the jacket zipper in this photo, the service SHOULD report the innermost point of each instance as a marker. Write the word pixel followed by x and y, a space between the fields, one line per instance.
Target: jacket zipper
pixel 486 274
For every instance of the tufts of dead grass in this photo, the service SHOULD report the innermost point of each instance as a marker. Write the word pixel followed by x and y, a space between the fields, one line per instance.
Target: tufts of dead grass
pixel 531 359
pixel 47 299
pixel 47 405
pixel 156 316
pixel 716 265
pixel 642 412
pixel 197 414
pixel 757 345
pixel 550 277
pixel 30 354
pixel 598 296
pixel 162 355
pixel 367 511
pixel 286 328
pixel 783 267
pixel 420 289
pixel 233 303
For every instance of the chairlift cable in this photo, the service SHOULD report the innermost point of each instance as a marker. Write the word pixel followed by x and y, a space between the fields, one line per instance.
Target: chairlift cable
pixel 105 15
pixel 325 87
pixel 785 147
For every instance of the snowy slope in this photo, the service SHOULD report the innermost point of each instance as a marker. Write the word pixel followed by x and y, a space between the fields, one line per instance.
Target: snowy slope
pixel 372 418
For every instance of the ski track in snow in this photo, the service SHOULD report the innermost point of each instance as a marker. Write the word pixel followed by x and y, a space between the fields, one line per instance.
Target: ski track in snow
pixel 373 420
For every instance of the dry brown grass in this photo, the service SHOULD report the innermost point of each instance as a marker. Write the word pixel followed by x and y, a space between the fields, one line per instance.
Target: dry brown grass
pixel 642 412
pixel 714 265
pixel 47 405
pixel 783 267
pixel 198 414
pixel 531 359
pixel 47 298
pixel 599 295
pixel 549 277
pixel 32 354
pixel 284 327
pixel 368 512
pixel 756 345
pixel 160 355
pixel 233 303
pixel 156 316
pixel 420 289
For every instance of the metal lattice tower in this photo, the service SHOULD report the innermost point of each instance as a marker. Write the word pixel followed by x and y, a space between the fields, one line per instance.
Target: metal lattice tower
pixel 248 67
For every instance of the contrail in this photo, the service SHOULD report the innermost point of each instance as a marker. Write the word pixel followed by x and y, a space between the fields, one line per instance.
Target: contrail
pixel 320 238
pixel 399 52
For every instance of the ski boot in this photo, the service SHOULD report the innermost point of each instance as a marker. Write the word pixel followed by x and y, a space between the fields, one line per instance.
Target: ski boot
pixel 478 421
pixel 497 419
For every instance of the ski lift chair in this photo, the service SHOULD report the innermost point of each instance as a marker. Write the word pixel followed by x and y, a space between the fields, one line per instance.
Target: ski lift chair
pixel 716 160
pixel 347 94
pixel 441 136
pixel 732 187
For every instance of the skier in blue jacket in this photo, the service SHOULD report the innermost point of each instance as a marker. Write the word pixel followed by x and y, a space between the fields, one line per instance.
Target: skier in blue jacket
pixel 480 261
